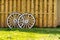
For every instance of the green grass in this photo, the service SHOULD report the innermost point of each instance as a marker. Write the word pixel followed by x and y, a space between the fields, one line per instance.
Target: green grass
pixel 30 34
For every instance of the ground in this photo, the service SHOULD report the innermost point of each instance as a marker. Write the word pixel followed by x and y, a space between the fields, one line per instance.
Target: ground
pixel 30 34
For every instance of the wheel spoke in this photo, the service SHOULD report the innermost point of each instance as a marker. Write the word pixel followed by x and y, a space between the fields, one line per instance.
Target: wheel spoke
pixel 20 21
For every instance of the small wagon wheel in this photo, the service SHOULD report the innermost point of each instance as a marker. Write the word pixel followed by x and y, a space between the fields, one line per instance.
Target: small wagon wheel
pixel 29 20
pixel 12 20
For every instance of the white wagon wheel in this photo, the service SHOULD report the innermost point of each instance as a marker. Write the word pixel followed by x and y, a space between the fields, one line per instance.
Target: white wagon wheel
pixel 12 20
pixel 29 20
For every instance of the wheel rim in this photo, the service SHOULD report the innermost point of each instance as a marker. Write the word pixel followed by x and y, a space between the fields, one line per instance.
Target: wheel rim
pixel 12 20
pixel 29 20
pixel 20 21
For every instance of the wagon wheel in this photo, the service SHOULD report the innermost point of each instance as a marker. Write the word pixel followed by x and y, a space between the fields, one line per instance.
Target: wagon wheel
pixel 29 20
pixel 12 20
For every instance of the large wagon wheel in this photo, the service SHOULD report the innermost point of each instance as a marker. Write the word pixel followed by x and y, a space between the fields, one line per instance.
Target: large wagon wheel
pixel 29 20
pixel 12 20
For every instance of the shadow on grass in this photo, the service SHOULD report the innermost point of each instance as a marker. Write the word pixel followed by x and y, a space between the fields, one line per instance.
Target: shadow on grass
pixel 35 30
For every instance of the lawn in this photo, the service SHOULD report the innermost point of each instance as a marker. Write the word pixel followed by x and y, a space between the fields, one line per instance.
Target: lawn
pixel 30 34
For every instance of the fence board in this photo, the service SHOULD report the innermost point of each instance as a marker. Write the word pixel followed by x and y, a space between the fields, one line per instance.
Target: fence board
pixel 18 5
pixel 14 5
pixel 0 19
pixel 6 12
pixel 45 12
pixel 36 12
pixel 0 13
pixel 2 10
pixel 23 6
pixel 10 4
pixel 40 13
pixel 32 7
pixel 55 13
pixel 50 13
pixel 28 6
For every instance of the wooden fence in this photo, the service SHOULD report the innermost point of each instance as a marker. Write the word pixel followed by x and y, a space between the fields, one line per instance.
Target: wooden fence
pixel 44 11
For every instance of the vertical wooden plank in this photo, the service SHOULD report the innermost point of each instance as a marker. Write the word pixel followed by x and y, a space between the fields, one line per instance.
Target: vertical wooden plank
pixel 14 5
pixel 45 12
pixel 55 13
pixel 6 12
pixel 50 14
pixel 0 19
pixel 40 13
pixel 10 6
pixel 36 12
pixel 18 5
pixel 28 6
pixel 2 10
pixel 0 13
pixel 23 6
pixel 4 21
pixel 46 20
pixel 32 7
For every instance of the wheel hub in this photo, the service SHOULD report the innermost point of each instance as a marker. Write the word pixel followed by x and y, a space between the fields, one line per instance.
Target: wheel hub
pixel 15 21
pixel 26 21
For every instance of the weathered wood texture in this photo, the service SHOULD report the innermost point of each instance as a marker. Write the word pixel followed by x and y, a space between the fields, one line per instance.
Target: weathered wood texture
pixel 44 11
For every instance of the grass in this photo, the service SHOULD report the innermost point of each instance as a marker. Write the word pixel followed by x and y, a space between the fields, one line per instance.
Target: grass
pixel 30 34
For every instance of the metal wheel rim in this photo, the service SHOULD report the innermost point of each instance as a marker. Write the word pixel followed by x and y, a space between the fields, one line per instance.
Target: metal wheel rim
pixel 20 20
pixel 12 20
pixel 29 23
